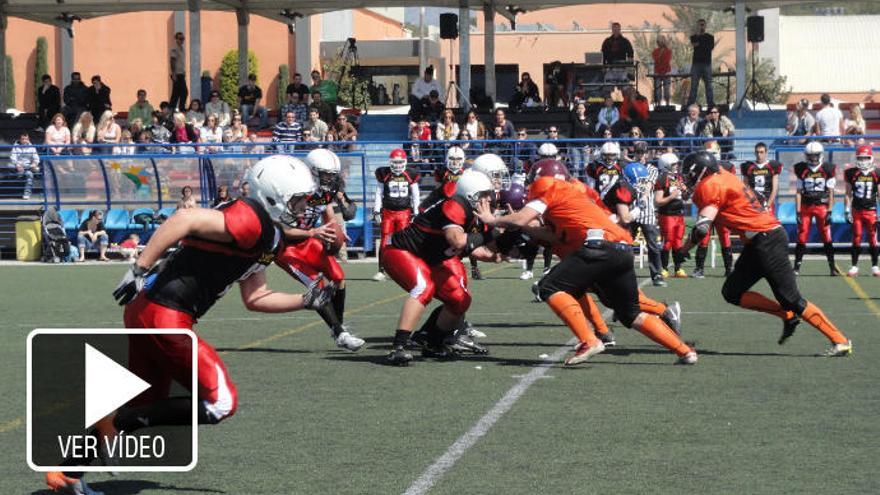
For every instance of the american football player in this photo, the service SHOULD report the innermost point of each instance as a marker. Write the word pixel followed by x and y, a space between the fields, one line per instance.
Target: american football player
pixel 669 195
pixel 860 207
pixel 722 232
pixel 762 175
pixel 396 198
pixel 814 199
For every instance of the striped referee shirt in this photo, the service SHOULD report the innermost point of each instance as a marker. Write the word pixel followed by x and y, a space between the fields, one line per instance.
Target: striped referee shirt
pixel 645 197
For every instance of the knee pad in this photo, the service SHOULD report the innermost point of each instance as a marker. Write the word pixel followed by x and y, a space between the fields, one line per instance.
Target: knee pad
pixel 797 306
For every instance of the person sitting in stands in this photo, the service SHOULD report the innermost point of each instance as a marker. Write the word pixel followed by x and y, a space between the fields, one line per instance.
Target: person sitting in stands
pixel 286 132
pixel 326 111
pixel 447 128
pixel 219 108
pixel 608 115
pixel 24 162
pixel 92 234
pixel 554 86
pixel 633 111
pixel 211 133
pixel 316 127
pixel 195 115
pixel 249 97
pixel 84 133
pixel 294 104
pixel 526 94
pixel 58 134
pixel 140 109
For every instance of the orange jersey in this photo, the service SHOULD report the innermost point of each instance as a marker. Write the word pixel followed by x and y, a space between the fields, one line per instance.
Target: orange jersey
pixel 590 193
pixel 570 214
pixel 739 209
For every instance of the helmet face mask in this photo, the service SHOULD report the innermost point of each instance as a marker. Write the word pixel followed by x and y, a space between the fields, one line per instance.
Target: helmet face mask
pixel 325 167
pixel 865 158
pixel 474 186
pixel 813 152
pixel 610 153
pixel 327 181
pixel 397 161
pixel 277 181
pixel 495 169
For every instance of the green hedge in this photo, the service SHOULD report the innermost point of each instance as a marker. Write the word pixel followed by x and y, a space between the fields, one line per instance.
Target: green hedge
pixel 229 75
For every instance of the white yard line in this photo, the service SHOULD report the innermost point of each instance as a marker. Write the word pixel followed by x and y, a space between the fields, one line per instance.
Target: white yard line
pixel 455 452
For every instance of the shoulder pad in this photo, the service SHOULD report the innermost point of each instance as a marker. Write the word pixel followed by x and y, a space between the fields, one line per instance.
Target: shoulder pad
pixel 382 173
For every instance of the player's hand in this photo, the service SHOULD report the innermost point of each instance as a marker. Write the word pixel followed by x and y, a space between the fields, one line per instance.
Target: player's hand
pixel 849 217
pixel 130 285
pixel 377 217
pixel 325 233
pixel 828 218
pixel 484 211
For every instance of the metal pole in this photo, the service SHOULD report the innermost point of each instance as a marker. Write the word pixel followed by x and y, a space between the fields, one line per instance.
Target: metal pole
pixel 489 48
pixel 4 75
pixel 303 33
pixel 243 18
pixel 464 57
pixel 740 15
pixel 423 56
pixel 66 55
pixel 195 49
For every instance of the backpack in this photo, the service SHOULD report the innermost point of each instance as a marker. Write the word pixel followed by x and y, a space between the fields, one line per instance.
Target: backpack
pixel 56 245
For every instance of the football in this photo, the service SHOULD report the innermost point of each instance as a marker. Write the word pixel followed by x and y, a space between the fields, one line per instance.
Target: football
pixel 333 247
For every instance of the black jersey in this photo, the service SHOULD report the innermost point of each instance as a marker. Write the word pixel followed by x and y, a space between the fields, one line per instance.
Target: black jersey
pixel 760 177
pixel 864 188
pixel 814 184
pixel 604 176
pixel 396 189
pixel 443 191
pixel 666 182
pixel 726 165
pixel 621 193
pixel 200 271
pixel 425 237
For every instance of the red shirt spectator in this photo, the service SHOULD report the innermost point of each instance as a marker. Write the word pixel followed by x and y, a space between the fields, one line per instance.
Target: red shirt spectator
pixel 662 56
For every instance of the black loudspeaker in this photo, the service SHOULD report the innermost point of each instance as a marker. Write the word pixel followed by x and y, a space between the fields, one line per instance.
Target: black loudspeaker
pixel 755 28
pixel 448 26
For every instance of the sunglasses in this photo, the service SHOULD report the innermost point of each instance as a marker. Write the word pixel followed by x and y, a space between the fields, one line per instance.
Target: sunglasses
pixel 714 111
pixel 552 131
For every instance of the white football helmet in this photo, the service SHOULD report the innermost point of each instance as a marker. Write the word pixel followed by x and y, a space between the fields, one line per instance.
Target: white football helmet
pixel 277 180
pixel 493 167
pixel 472 184
pixel 455 160
pixel 813 152
pixel 548 150
pixel 668 162
pixel 610 152
pixel 865 158
pixel 714 149
pixel 325 167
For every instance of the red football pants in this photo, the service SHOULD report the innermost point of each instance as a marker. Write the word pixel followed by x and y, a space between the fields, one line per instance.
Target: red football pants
pixel 672 231
pixel 392 221
pixel 808 212
pixel 447 281
pixel 723 237
pixel 864 221
pixel 159 359
pixel 306 259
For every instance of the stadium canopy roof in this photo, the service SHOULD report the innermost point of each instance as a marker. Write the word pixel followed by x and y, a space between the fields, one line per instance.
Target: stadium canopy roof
pixel 50 11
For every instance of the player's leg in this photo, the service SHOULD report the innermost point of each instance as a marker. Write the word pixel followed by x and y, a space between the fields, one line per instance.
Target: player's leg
pixel 856 247
pixel 823 225
pixel 803 233
pixel 678 228
pixel 726 248
pixel 594 317
pixel 669 313
pixel 413 275
pixel 548 259
pixel 666 235
pixel 386 229
pixel 450 280
pixel 871 227
pixel 700 257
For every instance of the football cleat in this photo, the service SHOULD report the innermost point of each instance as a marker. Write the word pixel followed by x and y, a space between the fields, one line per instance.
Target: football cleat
pixel 349 342
pixel 664 273
pixel 398 357
pixel 853 272
pixel 698 273
pixel 526 275
pixel 797 268
pixel 57 481
pixel 379 277
pixel 546 270
pixel 318 295
pixel 672 317
pixel 472 332
pixel 460 342
pixel 689 358
pixel 418 339
pixel 680 273
pixel 584 352
pixel 789 326
pixel 439 351
pixel 607 338
pixel 727 272
pixel 833 271
pixel 875 271
pixel 838 350
pixel 537 292
pixel 476 274
pixel 658 282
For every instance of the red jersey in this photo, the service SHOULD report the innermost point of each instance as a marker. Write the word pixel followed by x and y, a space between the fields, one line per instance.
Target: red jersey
pixel 739 209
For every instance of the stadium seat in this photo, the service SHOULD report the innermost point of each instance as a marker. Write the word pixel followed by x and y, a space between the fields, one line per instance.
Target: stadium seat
pixel 785 213
pixel 84 215
pixel 837 216
pixel 116 219
pixel 141 211
pixel 354 228
pixel 70 218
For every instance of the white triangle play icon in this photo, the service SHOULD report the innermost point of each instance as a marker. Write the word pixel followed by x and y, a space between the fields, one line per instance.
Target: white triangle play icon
pixel 108 385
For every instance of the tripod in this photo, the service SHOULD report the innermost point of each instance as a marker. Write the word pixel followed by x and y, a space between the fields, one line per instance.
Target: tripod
pixel 753 89
pixel 348 54
pixel 452 86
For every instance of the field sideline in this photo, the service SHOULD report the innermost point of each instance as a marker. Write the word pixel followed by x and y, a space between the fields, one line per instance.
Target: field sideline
pixel 751 417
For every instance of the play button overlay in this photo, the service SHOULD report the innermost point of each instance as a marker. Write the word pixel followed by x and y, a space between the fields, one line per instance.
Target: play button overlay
pixel 87 386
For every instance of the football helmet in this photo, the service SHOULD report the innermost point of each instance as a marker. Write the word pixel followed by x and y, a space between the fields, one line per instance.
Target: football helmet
pixel 397 161
pixel 813 152
pixel 278 181
pixel 697 165
pixel 493 167
pixel 514 196
pixel 548 150
pixel 455 160
pixel 713 148
pixel 548 167
pixel 610 152
pixel 472 185
pixel 668 162
pixel 865 158
pixel 325 167
pixel 635 173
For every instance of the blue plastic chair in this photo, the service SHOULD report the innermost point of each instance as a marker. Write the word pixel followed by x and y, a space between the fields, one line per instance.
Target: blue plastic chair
pixel 837 216
pixel 84 215
pixel 141 211
pixel 70 219
pixel 116 219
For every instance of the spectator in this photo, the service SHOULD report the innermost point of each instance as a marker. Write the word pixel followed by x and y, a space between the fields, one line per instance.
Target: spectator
pixel 701 63
pixel 690 125
pixel 237 132
pixel 509 131
pixel 287 131
pixel 344 130
pixel 177 57
pixel 524 151
pixel 187 200
pixel 195 115
pixel 424 130
pixel 211 133
pixel 58 134
pixel 447 129
pixel 244 190
pixel 629 148
pixel 92 234
pixel 475 128
pixel 719 126
pixel 581 128
pixel 294 104
pixel 140 109
pixel 396 99
pixel 107 131
pixel 633 111
pixel 331 137
pixel 145 142
pixel 219 108
pixel 326 87
pixel 24 163
pixel 166 115
pixel 421 89
pixel 499 146
pixel 159 133
pixel 433 107
pixel 316 127
pixel 126 144
pixel 471 150
pixel 382 97
pixel 183 133
pixel 801 121
pixel 222 196
pixel 553 135
pixel 98 98
pixel 249 97
pixel 297 86
pixel 616 48
pixel 76 98
pixel 829 120
pixel 308 140
pixel 554 86
pixel 414 148
pixel 84 134
pixel 48 100
pixel 326 112
pixel 254 143
pixel 855 124
pixel 608 115
pixel 136 127
pixel 662 56
pixel 527 94
pixel 660 146
pixel 130 247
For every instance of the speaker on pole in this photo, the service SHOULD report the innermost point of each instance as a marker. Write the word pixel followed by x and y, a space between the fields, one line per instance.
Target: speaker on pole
pixel 755 28
pixel 448 26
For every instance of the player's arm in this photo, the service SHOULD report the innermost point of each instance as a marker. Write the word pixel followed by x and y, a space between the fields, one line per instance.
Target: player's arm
pixel 257 296
pixel 328 215
pixel 324 233
pixel 847 202
pixel 774 189
pixel 204 223
pixel 661 199
pixel 519 219
pixel 797 201
pixel 414 195
pixel 701 228
pixel 624 214
pixel 377 200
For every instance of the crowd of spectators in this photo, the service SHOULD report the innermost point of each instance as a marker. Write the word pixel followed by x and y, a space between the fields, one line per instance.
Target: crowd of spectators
pixel 828 122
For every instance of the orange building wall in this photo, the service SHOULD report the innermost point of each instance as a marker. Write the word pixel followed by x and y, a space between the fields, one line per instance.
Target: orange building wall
pixel 596 16
pixel 371 26
pixel 21 45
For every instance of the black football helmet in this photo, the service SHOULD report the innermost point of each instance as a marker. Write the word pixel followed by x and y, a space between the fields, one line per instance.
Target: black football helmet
pixel 697 165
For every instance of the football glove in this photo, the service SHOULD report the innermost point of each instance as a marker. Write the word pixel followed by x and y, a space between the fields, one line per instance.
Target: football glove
pixel 130 285
pixel 849 216
pixel 828 218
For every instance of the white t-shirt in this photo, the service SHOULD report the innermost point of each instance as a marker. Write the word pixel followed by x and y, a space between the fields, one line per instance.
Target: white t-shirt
pixel 421 88
pixel 829 119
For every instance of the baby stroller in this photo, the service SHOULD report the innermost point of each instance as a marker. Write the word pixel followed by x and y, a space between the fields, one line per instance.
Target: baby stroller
pixel 56 245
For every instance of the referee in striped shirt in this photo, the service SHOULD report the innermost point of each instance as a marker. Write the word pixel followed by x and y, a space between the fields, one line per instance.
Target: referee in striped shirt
pixel 287 131
pixel 647 216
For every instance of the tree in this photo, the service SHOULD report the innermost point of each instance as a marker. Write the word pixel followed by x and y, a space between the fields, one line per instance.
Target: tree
pixel 10 83
pixel 229 75
pixel 283 81
pixel 352 90
pixel 41 66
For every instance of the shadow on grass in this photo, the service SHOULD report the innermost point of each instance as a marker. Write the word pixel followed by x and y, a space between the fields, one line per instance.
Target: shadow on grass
pixel 522 324
pixel 263 349
pixel 133 487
